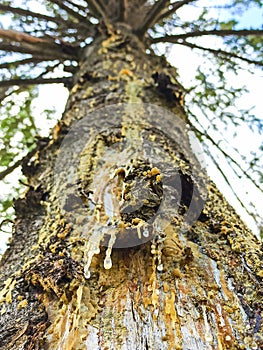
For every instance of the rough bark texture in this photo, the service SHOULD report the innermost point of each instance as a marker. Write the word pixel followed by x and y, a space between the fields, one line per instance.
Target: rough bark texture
pixel 199 288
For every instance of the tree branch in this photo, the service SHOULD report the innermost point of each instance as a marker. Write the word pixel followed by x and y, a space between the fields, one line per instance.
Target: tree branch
pixel 11 168
pixel 65 24
pixel 24 61
pixel 22 49
pixel 5 92
pixel 225 154
pixel 71 12
pixel 98 7
pixel 36 81
pixel 50 51
pixel 151 17
pixel 222 33
pixel 174 7
pixel 57 20
pixel 122 10
pixel 13 35
pixel 80 7
pixel 219 168
pixel 221 52
pixel 92 9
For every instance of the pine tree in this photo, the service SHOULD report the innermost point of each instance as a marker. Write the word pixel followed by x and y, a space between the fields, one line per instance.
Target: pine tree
pixel 121 240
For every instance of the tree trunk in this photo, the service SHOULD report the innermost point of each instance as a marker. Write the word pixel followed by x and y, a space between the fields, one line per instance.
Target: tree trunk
pixel 121 241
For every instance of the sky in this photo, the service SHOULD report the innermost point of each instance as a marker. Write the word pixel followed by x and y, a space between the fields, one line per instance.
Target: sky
pixel 186 64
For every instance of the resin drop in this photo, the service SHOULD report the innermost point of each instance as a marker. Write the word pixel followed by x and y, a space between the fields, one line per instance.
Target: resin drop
pixel 107 263
pixel 107 260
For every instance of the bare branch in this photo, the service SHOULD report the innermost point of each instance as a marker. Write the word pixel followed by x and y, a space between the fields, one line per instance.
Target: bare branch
pixel 225 154
pixel 222 33
pixel 71 12
pixel 13 35
pixel 99 9
pixel 23 12
pixel 92 9
pixel 151 16
pixel 174 7
pixel 5 92
pixel 48 50
pixel 36 81
pixel 65 24
pixel 219 168
pixel 23 62
pixel 22 49
pixel 122 10
pixel 11 168
pixel 221 52
pixel 8 91
pixel 80 7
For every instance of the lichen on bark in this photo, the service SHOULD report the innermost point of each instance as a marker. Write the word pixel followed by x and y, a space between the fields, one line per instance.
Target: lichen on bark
pixel 119 146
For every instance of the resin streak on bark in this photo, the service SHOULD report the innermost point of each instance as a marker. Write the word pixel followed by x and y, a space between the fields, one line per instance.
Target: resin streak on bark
pixel 120 147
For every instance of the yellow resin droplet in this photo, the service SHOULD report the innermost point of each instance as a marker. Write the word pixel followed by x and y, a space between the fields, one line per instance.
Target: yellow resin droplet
pixel 86 273
pixel 160 267
pixel 88 258
pixel 107 260
pixel 92 247
pixel 107 263
pixel 145 232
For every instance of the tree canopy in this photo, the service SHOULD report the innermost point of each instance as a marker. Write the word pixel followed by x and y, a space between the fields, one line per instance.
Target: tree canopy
pixel 41 42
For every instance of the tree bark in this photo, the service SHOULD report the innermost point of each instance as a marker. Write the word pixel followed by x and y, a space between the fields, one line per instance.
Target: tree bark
pixel 121 241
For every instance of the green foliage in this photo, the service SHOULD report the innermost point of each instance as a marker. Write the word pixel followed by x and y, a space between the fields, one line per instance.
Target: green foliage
pixel 246 4
pixel 18 136
pixel 18 129
pixel 228 25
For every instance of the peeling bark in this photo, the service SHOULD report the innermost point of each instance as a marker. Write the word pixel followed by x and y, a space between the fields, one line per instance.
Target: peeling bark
pixel 168 287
